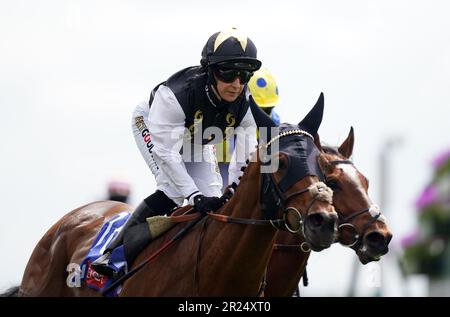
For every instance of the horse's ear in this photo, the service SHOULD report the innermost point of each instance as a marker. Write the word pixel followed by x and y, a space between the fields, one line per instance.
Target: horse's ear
pixel 317 142
pixel 324 165
pixel 313 119
pixel 346 148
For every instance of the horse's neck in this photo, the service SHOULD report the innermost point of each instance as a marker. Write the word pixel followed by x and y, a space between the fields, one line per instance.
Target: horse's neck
pixel 245 201
pixel 245 248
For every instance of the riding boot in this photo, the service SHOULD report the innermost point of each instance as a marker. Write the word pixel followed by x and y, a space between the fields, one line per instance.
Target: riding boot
pixel 156 204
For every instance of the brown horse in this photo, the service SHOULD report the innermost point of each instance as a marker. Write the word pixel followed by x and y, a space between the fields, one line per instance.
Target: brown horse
pixel 225 254
pixel 362 227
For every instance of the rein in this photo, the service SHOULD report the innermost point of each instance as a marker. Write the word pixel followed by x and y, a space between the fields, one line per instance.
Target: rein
pixel 278 224
pixel 292 247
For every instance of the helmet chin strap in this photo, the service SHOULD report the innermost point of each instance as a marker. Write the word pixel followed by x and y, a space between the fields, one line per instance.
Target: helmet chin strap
pixel 214 99
pixel 216 93
pixel 211 85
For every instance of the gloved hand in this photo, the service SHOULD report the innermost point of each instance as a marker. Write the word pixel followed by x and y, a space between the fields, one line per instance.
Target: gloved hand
pixel 228 193
pixel 205 204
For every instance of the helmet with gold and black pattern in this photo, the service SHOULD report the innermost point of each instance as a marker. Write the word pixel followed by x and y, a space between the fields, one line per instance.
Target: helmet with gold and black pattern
pixel 230 49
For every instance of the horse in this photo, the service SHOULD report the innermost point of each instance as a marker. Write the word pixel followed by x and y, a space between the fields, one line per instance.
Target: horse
pixel 361 226
pixel 225 253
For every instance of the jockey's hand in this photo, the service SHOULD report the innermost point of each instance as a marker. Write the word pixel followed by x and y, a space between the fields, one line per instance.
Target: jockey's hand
pixel 205 204
pixel 228 193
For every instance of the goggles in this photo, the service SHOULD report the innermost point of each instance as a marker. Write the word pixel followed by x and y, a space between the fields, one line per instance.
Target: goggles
pixel 229 75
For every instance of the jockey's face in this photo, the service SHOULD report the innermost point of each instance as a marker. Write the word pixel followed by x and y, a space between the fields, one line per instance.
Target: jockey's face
pixel 229 91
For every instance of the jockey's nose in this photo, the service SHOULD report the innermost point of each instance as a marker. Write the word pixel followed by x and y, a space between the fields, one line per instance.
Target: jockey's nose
pixel 237 82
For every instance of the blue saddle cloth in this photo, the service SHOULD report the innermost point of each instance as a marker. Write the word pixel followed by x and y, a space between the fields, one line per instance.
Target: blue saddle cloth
pixel 117 261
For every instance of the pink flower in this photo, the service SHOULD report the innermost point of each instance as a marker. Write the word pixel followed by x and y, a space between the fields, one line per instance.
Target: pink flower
pixel 409 239
pixel 428 197
pixel 441 159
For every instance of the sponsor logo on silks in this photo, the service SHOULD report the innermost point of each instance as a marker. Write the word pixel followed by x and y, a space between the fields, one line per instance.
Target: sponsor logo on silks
pixel 148 140
pixel 231 120
pixel 145 133
pixel 229 130
pixel 193 128
pixel 140 123
pixel 198 116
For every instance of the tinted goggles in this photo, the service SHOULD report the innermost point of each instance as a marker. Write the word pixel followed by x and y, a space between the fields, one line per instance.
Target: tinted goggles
pixel 229 75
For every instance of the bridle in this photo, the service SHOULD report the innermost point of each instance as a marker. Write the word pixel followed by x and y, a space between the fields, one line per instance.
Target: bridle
pixel 274 198
pixel 346 222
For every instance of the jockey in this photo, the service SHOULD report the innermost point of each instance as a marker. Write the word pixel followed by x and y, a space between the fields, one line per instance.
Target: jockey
pixel 177 128
pixel 264 90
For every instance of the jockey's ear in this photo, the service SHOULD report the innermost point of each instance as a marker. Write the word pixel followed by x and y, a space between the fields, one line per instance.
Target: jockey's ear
pixel 313 119
pixel 317 142
pixel 346 148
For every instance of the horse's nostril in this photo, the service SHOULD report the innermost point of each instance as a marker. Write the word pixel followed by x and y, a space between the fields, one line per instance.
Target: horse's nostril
pixel 376 240
pixel 315 220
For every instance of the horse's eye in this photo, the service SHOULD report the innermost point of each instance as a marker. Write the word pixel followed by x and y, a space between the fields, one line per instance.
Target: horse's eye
pixel 332 183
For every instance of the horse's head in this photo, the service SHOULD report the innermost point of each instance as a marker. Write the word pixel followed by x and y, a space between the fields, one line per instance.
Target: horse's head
pixel 295 185
pixel 361 225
